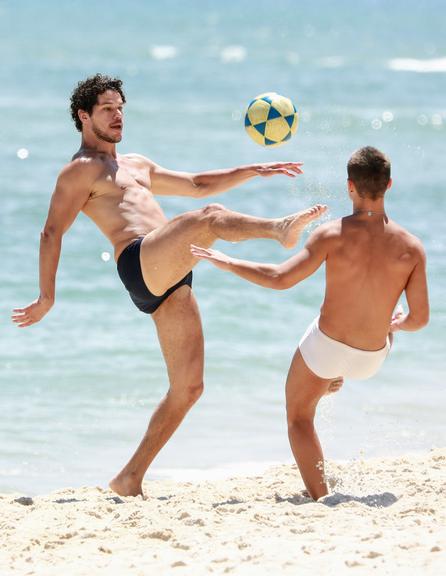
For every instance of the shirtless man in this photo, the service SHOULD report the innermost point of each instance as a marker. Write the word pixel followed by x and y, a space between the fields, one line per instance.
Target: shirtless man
pixel 370 261
pixel 152 254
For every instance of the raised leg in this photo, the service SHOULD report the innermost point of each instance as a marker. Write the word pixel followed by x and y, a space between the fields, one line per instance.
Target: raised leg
pixel 165 252
pixel 303 392
pixel 181 338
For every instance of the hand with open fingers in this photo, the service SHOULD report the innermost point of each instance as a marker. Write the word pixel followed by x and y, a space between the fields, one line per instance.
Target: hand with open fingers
pixel 291 169
pixel 32 313
pixel 397 317
pixel 217 258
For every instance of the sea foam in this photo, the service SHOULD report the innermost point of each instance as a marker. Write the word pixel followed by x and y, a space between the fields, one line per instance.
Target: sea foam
pixel 416 65
pixel 163 52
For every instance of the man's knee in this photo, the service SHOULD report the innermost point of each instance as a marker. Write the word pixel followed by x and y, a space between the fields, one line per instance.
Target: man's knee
pixel 194 391
pixel 188 394
pixel 212 209
pixel 299 420
pixel 212 212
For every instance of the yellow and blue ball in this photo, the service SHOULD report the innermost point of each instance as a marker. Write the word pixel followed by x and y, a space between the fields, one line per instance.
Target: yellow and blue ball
pixel 271 119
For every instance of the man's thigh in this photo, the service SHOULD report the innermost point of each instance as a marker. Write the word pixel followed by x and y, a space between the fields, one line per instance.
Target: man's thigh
pixel 180 334
pixel 304 389
pixel 165 252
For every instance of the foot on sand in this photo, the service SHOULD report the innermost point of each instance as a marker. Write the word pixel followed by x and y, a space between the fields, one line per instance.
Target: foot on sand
pixel 291 227
pixel 126 485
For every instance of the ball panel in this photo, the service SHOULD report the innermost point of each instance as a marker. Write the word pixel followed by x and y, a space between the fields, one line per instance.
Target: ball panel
pixel 295 124
pixel 258 112
pixel 277 129
pixel 273 113
pixel 255 135
pixel 261 128
pixel 290 119
pixel 272 144
pixel 283 105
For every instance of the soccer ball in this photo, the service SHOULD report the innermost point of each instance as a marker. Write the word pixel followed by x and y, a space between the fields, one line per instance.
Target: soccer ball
pixel 271 119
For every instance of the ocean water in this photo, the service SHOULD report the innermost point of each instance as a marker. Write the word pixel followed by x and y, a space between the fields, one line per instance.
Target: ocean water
pixel 77 390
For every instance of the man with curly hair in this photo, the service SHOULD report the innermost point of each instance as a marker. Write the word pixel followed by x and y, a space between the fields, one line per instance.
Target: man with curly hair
pixel 152 253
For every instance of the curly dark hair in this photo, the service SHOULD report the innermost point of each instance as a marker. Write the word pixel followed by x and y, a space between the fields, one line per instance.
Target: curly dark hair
pixel 369 170
pixel 86 93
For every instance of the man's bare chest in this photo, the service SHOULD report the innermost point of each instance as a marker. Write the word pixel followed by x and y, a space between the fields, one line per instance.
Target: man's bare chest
pixel 121 180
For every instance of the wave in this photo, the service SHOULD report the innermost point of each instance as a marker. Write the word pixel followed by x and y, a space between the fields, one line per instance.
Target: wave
pixel 331 62
pixel 230 470
pixel 416 65
pixel 233 54
pixel 163 52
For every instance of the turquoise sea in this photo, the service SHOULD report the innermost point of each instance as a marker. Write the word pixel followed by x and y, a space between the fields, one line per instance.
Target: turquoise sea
pixel 77 389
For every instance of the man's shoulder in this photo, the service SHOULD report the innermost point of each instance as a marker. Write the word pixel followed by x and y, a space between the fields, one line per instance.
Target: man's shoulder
pixel 80 172
pixel 135 156
pixel 330 229
pixel 326 234
pixel 81 167
pixel 139 159
pixel 405 235
pixel 407 241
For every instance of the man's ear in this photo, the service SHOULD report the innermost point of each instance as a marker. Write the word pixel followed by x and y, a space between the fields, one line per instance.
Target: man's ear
pixel 389 185
pixel 83 115
pixel 351 188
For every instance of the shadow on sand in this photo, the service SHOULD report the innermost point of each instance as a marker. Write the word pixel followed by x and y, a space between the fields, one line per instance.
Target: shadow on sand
pixel 373 500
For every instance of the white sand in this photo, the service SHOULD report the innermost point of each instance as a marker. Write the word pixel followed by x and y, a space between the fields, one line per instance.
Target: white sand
pixel 385 517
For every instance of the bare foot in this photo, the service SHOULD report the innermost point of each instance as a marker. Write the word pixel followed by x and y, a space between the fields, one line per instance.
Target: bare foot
pixel 126 486
pixel 292 226
pixel 335 385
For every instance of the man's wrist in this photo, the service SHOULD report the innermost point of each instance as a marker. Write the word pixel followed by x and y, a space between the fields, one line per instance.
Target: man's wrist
pixel 251 170
pixel 46 300
pixel 231 264
pixel 255 168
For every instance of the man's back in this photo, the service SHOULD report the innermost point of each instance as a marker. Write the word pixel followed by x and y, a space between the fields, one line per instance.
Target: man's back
pixel 370 261
pixel 368 264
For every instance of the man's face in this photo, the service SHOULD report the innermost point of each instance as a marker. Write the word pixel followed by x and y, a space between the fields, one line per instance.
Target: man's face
pixel 107 118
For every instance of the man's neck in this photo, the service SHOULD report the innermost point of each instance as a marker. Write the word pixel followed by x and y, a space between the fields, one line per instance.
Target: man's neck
pixel 369 207
pixel 97 145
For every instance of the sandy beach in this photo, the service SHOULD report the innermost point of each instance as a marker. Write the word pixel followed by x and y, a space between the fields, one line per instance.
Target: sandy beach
pixel 384 516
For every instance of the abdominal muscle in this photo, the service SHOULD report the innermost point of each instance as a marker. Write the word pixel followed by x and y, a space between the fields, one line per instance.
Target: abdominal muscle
pixel 125 215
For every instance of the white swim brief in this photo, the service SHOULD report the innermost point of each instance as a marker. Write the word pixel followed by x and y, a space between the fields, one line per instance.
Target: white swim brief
pixel 328 358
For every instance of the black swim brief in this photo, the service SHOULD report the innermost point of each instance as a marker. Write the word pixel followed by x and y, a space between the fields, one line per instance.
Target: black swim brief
pixel 129 270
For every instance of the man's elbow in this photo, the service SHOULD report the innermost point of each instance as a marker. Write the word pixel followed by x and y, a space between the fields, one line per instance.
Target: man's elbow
pixel 424 320
pixel 203 191
pixel 199 188
pixel 280 281
pixel 420 320
pixel 424 315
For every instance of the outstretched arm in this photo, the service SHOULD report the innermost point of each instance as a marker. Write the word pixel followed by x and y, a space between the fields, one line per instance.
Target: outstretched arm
pixel 202 184
pixel 276 276
pixel 417 299
pixel 68 198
